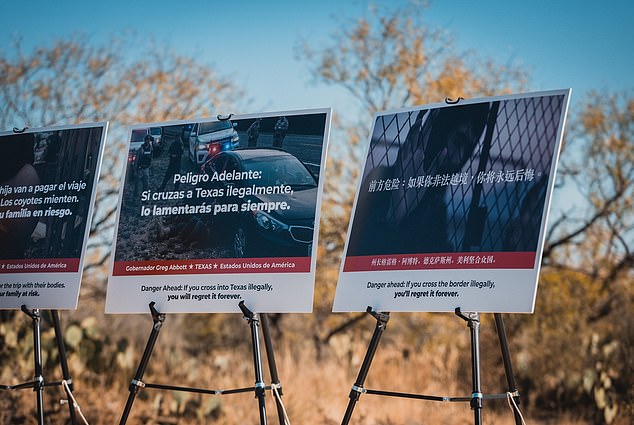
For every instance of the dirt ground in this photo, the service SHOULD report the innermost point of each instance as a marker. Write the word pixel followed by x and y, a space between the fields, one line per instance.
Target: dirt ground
pixel 168 237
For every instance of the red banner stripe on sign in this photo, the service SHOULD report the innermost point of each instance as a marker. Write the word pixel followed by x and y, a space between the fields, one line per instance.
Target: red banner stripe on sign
pixel 441 261
pixel 215 266
pixel 40 265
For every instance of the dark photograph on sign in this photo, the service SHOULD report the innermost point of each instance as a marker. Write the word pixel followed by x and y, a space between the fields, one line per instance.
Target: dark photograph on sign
pixel 241 188
pixel 46 181
pixel 464 178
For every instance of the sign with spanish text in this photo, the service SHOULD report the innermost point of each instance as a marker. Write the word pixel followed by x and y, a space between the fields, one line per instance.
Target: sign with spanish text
pixel 452 206
pixel 48 178
pixel 214 212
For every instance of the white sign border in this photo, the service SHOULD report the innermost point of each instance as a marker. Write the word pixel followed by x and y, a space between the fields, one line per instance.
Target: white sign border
pixel 52 298
pixel 299 286
pixel 351 296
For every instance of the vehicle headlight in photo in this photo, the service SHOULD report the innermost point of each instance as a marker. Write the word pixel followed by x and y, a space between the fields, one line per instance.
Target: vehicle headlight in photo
pixel 266 222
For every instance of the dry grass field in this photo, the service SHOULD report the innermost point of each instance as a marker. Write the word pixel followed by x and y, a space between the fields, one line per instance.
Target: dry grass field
pixel 315 382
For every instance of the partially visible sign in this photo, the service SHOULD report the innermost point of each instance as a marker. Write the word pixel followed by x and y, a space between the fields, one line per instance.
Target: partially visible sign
pixel 216 212
pixel 452 206
pixel 48 178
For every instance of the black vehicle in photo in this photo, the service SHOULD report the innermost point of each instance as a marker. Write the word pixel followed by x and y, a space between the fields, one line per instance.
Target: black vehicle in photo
pixel 257 230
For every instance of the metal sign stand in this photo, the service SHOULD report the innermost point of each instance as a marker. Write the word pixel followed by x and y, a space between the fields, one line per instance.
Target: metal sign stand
pixel 38 383
pixel 259 389
pixel 476 398
pixel 257 360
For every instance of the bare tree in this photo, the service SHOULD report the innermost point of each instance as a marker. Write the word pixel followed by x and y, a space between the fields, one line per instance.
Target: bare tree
pixel 597 169
pixel 391 59
pixel 388 59
pixel 76 80
pixel 586 295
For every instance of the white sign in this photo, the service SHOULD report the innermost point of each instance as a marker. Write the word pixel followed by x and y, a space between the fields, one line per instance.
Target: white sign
pixel 214 212
pixel 452 206
pixel 48 178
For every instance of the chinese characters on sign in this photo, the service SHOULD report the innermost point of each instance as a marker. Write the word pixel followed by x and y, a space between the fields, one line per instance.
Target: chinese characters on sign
pixel 455 179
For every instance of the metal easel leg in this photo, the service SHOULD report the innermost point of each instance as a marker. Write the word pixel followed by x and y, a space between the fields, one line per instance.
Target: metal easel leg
pixel 38 383
pixel 270 355
pixel 137 382
pixel 473 322
pixel 61 348
pixel 260 386
pixel 508 365
pixel 357 388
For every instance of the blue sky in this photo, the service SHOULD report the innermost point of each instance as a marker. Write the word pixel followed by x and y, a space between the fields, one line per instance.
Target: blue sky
pixel 584 45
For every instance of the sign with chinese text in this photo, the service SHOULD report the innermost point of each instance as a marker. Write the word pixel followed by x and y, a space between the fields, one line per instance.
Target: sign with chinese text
pixel 452 206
